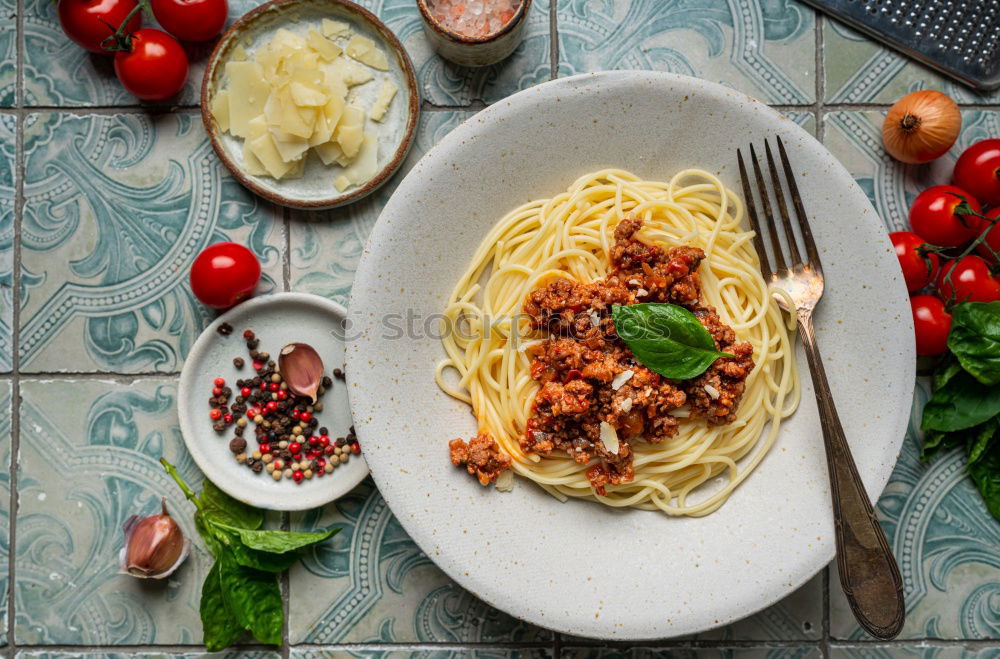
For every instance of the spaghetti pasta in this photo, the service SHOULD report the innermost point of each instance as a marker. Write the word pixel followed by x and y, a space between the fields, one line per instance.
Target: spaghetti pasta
pixel 570 236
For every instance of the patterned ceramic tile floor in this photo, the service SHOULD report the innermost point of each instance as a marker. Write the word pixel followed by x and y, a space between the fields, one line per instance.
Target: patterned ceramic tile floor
pixel 103 204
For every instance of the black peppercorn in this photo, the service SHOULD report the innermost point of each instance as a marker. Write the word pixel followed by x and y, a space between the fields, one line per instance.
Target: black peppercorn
pixel 237 445
pixel 238 362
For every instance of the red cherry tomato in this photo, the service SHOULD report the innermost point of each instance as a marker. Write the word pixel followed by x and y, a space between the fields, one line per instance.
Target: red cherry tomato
pixel 970 281
pixel 156 67
pixel 224 274
pixel 918 270
pixel 933 217
pixel 90 22
pixel 191 20
pixel 990 247
pixel 931 323
pixel 978 171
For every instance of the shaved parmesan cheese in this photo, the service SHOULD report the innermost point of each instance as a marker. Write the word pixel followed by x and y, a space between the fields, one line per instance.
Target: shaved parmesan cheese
pixel 334 28
pixel 364 50
pixel 682 412
pixel 712 391
pixel 595 320
pixel 626 405
pixel 290 96
pixel 633 282
pixel 366 163
pixel 505 481
pixel 326 48
pixel 220 110
pixel 640 292
pixel 382 101
pixel 622 378
pixel 609 437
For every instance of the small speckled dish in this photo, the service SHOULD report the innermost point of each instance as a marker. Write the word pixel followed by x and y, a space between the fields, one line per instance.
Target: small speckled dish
pixel 277 320
pixel 314 190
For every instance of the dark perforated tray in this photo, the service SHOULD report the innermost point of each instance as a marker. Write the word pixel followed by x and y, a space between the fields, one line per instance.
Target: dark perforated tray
pixel 960 38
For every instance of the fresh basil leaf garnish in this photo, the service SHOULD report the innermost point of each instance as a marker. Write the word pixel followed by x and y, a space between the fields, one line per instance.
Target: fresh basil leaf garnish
pixel 666 338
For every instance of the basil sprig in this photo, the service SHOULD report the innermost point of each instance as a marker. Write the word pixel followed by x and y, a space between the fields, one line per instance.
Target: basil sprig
pixel 666 338
pixel 964 410
pixel 241 590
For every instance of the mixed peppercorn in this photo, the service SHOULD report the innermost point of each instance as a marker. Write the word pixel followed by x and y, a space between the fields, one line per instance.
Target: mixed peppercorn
pixel 290 441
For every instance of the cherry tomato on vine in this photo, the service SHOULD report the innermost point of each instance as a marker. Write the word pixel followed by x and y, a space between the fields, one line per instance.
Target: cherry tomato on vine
pixel 933 217
pixel 90 22
pixel 918 269
pixel 931 323
pixel 990 247
pixel 970 281
pixel 156 66
pixel 191 20
pixel 223 274
pixel 978 171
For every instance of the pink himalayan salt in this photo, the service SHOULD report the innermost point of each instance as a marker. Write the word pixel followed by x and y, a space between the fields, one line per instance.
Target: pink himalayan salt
pixel 473 18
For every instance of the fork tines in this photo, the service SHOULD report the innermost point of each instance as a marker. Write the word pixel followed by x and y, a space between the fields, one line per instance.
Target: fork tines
pixel 782 258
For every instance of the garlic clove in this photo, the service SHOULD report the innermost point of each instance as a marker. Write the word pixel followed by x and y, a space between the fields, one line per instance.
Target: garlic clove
pixel 154 547
pixel 301 368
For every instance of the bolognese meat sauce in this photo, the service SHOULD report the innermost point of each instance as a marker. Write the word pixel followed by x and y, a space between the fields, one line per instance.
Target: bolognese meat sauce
pixel 582 367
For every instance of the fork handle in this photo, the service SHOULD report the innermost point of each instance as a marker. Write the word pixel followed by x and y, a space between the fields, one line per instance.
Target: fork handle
pixel 868 571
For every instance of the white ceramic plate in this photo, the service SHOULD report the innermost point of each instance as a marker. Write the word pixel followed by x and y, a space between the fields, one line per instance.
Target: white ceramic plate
pixel 579 567
pixel 277 320
pixel 315 189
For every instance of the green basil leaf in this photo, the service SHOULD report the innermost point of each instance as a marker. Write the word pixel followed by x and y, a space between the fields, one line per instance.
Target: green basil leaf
pixel 220 505
pixel 281 542
pixel 975 339
pixel 220 626
pixel 666 338
pixel 946 370
pixel 207 532
pixel 936 441
pixel 985 473
pixel 981 441
pixel 962 403
pixel 253 597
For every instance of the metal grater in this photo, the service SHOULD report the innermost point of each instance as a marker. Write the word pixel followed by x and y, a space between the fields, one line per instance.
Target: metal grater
pixel 960 38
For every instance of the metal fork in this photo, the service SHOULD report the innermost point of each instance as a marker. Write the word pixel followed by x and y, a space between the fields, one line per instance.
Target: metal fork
pixel 868 570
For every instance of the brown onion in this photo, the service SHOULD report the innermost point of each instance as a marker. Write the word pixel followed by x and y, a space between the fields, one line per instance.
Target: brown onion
pixel 921 126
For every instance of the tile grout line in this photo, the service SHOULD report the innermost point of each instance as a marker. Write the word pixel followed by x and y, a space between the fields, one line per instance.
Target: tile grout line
pixel 553 39
pixel 15 357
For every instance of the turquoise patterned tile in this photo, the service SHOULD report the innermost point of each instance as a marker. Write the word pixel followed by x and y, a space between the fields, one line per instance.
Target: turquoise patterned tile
pixel 766 49
pixel 231 654
pixel 945 542
pixel 88 460
pixel 372 584
pixel 326 246
pixel 5 442
pixel 922 651
pixel 684 653
pixel 8 185
pixel 858 70
pixel 855 138
pixel 421 653
pixel 116 209
pixel 8 53
pixel 57 72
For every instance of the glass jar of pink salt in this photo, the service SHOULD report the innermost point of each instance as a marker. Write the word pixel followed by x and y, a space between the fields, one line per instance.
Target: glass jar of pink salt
pixel 474 32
